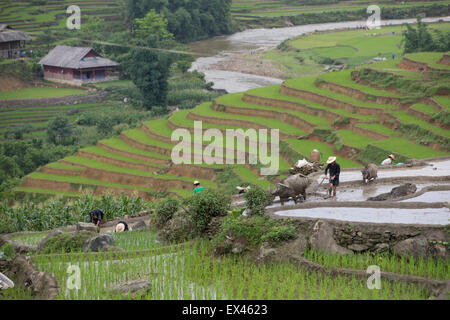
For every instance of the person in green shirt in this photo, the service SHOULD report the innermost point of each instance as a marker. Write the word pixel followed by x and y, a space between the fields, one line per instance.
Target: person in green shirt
pixel 198 188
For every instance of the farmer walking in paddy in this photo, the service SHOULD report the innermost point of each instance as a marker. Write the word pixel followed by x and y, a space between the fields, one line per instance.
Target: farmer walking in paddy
pixel 335 170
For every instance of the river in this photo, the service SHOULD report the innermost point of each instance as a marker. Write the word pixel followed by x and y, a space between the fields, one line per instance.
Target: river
pixel 220 48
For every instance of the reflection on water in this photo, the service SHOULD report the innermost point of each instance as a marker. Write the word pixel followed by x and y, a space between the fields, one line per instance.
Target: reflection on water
pixel 439 216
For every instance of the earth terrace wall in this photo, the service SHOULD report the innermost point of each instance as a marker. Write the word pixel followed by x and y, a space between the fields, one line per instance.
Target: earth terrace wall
pixel 282 116
pixel 134 180
pixel 419 114
pixel 286 118
pixel 295 106
pixel 203 118
pixel 116 162
pixel 75 187
pixel 244 124
pixel 358 94
pixel 366 132
pixel 434 103
pixel 62 172
pixel 327 101
pixel 59 101
pixel 132 155
pixel 144 146
pixel 346 152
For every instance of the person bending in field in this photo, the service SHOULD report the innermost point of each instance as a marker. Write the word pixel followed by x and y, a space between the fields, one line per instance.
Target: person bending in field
pixel 121 226
pixel 96 217
pixel 388 161
pixel 335 170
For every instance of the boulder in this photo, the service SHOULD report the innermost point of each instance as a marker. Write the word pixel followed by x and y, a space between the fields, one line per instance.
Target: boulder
pixel 285 252
pixel 417 246
pixel 440 251
pixel 41 284
pixel 132 287
pixel 43 242
pixel 397 192
pixel 99 243
pixel 86 226
pixel 140 225
pixel 322 239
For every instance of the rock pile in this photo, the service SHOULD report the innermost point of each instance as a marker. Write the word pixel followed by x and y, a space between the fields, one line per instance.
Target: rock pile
pixel 307 168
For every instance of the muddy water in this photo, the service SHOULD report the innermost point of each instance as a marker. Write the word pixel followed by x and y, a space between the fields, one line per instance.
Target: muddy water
pixel 439 216
pixel 431 196
pixel 434 169
pixel 219 48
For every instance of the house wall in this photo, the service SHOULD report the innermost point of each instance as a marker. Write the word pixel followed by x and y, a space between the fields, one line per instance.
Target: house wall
pixel 10 50
pixel 58 73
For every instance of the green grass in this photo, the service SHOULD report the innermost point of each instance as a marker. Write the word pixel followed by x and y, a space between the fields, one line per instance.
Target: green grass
pixel 32 239
pixel 116 83
pixel 306 146
pixel 408 148
pixel 354 140
pixel 424 108
pixel 249 176
pixel 39 92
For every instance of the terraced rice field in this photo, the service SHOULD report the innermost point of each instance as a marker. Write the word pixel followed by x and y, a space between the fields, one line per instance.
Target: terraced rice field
pixel 20 15
pixel 309 113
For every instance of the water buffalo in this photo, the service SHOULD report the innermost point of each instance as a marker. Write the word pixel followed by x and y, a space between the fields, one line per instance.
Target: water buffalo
pixel 291 187
pixel 369 172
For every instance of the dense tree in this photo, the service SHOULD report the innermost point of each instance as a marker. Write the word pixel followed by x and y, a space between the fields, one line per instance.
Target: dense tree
pixel 149 71
pixel 61 131
pixel 419 39
pixel 152 24
pixel 188 20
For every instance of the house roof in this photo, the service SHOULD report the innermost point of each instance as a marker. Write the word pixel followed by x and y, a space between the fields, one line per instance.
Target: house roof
pixel 74 58
pixel 7 34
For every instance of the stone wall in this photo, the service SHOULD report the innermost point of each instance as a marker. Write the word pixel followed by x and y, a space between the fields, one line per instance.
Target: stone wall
pixel 59 101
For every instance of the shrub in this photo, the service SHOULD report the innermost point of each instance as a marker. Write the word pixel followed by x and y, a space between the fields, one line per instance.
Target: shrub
pixel 257 199
pixel 255 229
pixel 205 205
pixel 66 242
pixel 280 233
pixel 165 209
